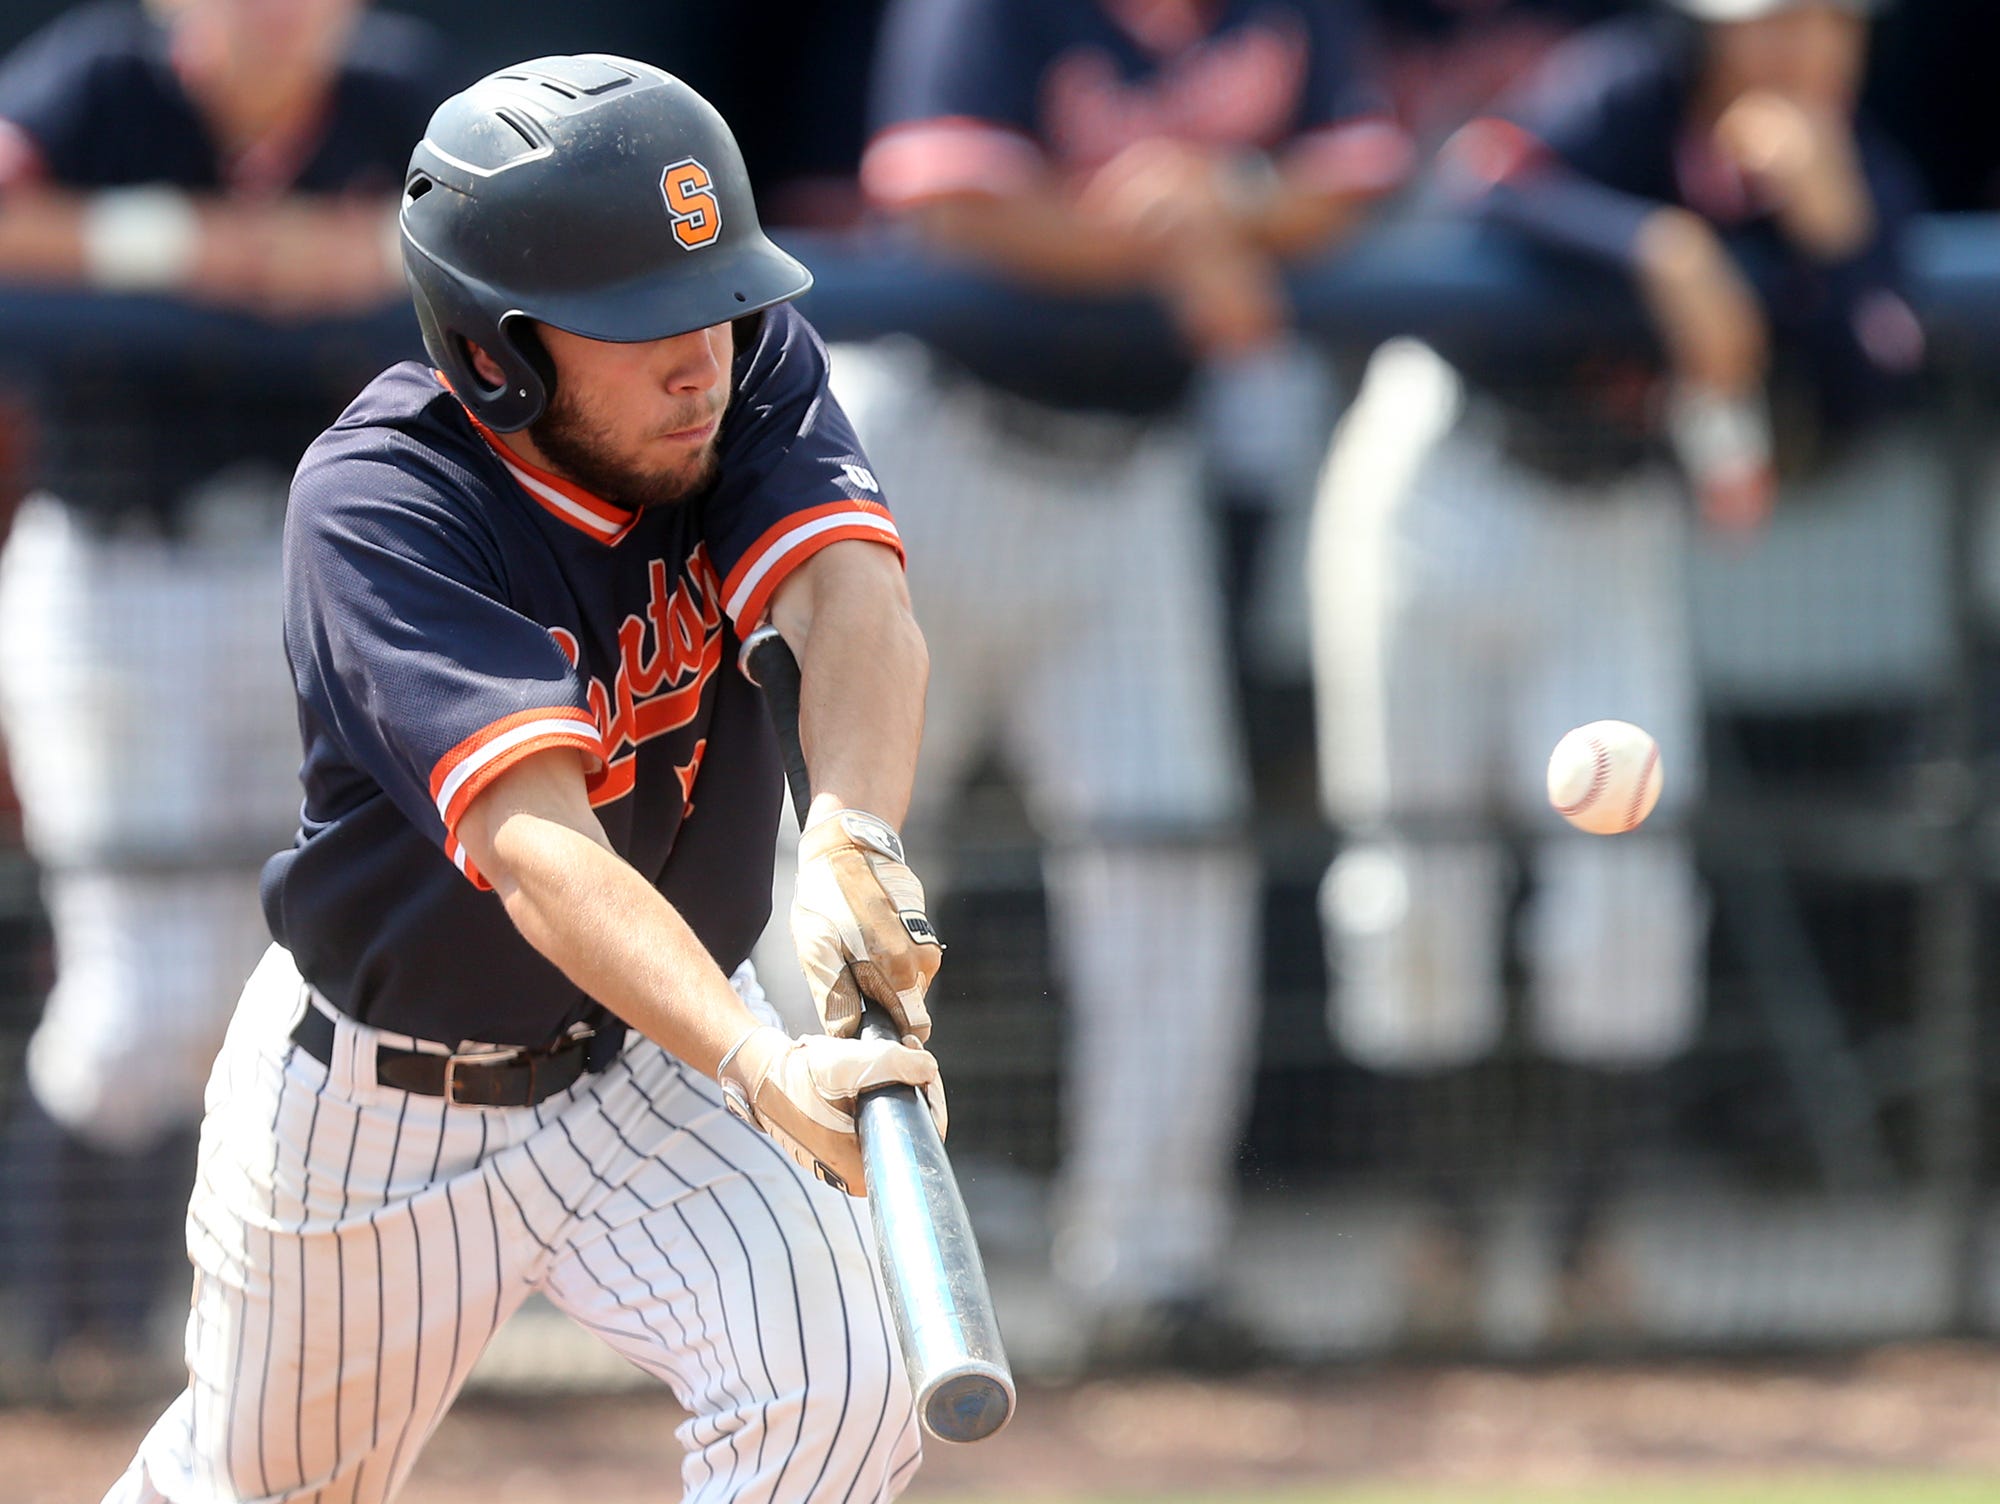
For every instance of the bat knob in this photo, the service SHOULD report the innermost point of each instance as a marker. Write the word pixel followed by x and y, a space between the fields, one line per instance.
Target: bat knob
pixel 968 1406
pixel 753 649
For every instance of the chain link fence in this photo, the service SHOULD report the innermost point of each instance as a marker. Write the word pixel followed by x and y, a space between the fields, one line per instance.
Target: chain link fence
pixel 1808 1173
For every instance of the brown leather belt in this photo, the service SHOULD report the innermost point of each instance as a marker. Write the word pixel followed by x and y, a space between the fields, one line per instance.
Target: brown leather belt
pixel 516 1076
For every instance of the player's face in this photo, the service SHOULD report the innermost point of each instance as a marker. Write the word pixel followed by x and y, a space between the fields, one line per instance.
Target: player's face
pixel 1811 53
pixel 637 424
pixel 258 51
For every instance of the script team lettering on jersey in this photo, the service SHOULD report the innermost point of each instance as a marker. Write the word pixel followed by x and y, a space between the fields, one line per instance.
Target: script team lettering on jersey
pixel 659 692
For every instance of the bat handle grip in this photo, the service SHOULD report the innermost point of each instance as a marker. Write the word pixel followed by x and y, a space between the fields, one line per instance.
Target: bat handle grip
pixel 766 661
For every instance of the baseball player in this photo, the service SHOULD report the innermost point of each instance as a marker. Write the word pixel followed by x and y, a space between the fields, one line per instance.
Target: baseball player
pixel 196 151
pixel 1500 551
pixel 1180 150
pixel 1444 61
pixel 506 1041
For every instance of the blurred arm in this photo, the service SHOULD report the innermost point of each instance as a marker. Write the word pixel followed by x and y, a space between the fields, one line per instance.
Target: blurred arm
pixel 295 257
pixel 1160 202
pixel 1040 236
pixel 1708 318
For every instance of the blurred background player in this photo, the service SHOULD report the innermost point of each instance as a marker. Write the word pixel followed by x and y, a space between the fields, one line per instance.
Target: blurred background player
pixel 1500 550
pixel 1071 587
pixel 244 154
pixel 1444 61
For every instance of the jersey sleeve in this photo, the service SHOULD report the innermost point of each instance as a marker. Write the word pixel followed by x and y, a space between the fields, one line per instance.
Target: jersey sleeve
pixel 402 644
pixel 793 480
pixel 953 108
pixel 1584 155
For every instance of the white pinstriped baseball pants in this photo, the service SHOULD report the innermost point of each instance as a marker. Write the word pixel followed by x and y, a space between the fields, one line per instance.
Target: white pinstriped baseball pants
pixel 1468 612
pixel 356 1246
pixel 1074 621
pixel 154 741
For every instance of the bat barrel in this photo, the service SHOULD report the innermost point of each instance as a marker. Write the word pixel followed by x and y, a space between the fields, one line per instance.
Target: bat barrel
pixel 931 1269
pixel 937 1283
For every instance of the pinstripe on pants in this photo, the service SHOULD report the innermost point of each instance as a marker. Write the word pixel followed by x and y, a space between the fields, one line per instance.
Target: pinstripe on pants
pixel 355 1247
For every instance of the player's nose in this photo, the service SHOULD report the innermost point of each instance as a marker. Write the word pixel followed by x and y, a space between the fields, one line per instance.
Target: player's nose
pixel 695 361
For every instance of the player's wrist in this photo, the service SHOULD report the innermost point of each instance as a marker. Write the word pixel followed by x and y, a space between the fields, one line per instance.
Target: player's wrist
pixel 1250 190
pixel 1674 247
pixel 841 826
pixel 746 1065
pixel 141 239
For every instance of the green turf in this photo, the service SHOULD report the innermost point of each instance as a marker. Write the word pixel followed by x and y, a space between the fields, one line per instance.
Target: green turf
pixel 1848 1489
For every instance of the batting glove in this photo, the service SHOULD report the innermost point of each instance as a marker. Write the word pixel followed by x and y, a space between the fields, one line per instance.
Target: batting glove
pixel 859 926
pixel 802 1092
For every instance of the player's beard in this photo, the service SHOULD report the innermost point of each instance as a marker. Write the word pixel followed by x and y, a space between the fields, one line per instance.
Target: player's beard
pixel 581 446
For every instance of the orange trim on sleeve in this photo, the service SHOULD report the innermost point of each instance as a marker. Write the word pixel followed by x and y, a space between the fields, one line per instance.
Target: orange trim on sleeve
pixel 466 771
pixel 751 616
pixel 455 851
pixel 448 763
pixel 790 542
pixel 500 762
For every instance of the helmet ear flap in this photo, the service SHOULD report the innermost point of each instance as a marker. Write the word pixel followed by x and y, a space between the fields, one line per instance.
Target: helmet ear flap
pixel 525 335
pixel 452 322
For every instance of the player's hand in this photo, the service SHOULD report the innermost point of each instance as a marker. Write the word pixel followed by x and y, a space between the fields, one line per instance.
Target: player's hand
pixel 859 925
pixel 228 270
pixel 1178 201
pixel 1806 162
pixel 324 259
pixel 1724 445
pixel 296 259
pixel 802 1092
pixel 1714 330
pixel 1160 190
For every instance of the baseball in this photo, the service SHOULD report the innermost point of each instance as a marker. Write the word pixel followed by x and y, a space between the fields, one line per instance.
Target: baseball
pixel 1605 777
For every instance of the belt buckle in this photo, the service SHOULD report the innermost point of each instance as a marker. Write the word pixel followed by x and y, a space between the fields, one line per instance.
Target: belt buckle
pixel 482 1058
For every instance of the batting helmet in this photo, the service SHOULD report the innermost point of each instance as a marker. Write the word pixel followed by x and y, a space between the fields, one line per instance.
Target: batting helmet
pixel 599 195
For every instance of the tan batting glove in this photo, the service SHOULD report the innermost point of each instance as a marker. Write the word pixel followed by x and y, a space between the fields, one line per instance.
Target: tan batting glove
pixel 802 1092
pixel 859 926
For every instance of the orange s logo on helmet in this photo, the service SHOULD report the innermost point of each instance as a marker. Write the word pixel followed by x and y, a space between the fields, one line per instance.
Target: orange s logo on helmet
pixel 691 203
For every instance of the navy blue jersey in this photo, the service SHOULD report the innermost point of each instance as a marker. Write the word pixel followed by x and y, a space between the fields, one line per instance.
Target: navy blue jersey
pixel 1604 136
pixel 451 611
pixel 998 96
pixel 94 101
pixel 1445 18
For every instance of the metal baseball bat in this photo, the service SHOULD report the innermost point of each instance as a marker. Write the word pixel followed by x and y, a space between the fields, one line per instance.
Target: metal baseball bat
pixel 931 1267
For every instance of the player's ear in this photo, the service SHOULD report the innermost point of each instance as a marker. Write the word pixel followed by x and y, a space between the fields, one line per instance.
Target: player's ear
pixel 486 366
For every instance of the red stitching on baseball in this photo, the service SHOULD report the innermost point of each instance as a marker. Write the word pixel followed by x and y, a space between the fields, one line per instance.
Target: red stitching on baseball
pixel 1634 815
pixel 1600 776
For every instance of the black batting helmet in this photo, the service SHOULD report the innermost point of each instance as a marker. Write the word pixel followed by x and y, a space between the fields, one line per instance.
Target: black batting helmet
pixel 597 194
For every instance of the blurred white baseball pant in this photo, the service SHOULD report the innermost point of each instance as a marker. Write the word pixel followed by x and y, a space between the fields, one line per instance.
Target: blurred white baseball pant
pixel 1062 573
pixel 1468 612
pixel 154 745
